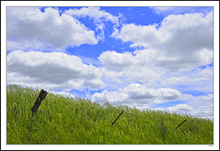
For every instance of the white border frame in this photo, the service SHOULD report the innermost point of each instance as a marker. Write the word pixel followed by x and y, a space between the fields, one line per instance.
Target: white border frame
pixel 215 4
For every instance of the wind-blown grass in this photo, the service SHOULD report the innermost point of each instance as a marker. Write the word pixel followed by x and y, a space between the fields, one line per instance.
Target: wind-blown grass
pixel 66 120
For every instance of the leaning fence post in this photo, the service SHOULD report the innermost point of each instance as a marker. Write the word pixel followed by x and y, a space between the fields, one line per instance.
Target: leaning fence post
pixel 117 117
pixel 41 96
pixel 181 124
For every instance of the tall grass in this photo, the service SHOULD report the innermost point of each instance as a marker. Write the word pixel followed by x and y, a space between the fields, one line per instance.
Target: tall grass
pixel 65 120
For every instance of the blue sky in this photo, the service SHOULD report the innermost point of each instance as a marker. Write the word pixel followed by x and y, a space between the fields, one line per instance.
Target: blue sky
pixel 149 57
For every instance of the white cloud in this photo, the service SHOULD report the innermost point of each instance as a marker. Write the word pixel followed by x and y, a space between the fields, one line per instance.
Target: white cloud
pixel 94 13
pixel 201 105
pixel 180 108
pixel 141 35
pixel 116 61
pixel 204 111
pixel 198 101
pixel 99 16
pixel 137 94
pixel 51 70
pixel 169 94
pixel 131 67
pixel 200 79
pixel 181 42
pixel 29 28
pixel 159 10
pixel 207 97
pixel 142 66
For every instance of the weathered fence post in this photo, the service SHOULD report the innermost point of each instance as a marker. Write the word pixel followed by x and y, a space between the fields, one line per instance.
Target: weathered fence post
pixel 117 117
pixel 41 96
pixel 181 124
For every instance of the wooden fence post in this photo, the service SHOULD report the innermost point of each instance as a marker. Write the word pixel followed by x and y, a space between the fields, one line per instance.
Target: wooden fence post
pixel 181 124
pixel 117 117
pixel 41 96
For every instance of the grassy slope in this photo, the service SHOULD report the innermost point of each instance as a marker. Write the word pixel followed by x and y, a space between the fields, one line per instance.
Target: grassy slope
pixel 62 120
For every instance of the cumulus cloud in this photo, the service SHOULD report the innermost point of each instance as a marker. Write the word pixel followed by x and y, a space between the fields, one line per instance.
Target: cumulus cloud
pixel 98 16
pixel 137 94
pixel 29 28
pixel 181 42
pixel 201 106
pixel 54 70
pixel 142 66
pixel 116 61
pixel 159 10
pixel 131 67
pixel 169 94
pixel 200 79
pixel 204 111
pixel 207 97
pixel 180 108
pixel 94 13
pixel 195 105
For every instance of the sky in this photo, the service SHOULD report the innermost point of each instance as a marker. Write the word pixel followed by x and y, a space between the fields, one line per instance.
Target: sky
pixel 158 58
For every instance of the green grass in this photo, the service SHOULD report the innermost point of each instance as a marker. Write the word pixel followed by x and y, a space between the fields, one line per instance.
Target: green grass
pixel 65 120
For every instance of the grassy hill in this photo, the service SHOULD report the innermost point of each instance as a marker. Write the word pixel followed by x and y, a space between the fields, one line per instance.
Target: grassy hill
pixel 65 120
